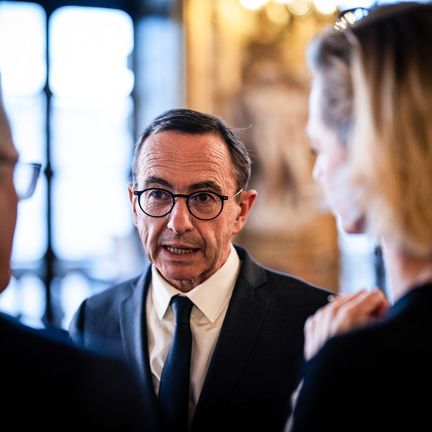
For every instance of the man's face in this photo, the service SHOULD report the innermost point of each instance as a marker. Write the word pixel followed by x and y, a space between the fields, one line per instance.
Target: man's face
pixel 331 167
pixel 186 250
pixel 8 203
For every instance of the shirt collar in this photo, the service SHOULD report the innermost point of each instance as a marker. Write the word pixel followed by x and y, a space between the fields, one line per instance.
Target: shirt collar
pixel 210 296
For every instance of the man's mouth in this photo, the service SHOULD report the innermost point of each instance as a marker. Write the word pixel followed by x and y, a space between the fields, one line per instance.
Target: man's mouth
pixel 180 251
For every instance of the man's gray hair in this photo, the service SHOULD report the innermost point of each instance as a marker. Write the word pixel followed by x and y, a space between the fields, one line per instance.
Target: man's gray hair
pixel 195 122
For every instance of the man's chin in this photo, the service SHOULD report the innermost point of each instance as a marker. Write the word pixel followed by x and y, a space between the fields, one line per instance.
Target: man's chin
pixel 182 279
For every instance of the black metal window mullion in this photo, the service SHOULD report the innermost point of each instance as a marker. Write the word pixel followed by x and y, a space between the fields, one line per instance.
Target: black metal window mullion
pixel 51 317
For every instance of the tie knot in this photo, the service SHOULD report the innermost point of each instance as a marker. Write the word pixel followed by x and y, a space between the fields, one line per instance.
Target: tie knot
pixel 182 307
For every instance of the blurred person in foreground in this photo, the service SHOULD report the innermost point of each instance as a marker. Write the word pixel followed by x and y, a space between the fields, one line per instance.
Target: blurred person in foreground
pixel 370 126
pixel 189 197
pixel 46 383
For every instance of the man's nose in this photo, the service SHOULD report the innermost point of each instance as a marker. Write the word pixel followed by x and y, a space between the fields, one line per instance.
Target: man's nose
pixel 180 219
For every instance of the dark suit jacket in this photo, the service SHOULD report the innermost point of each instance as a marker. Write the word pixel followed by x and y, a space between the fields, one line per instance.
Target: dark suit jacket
pixel 50 385
pixel 257 359
pixel 375 379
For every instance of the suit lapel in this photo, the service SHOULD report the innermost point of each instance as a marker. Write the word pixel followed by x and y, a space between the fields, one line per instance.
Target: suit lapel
pixel 242 323
pixel 134 337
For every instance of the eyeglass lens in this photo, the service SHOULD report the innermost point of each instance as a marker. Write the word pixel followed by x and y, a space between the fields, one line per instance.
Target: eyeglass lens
pixel 203 205
pixel 25 179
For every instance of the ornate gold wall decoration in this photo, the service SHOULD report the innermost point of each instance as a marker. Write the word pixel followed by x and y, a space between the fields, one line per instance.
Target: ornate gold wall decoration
pixel 249 67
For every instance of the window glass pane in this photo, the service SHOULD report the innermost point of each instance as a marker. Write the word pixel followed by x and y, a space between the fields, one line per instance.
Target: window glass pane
pixel 22 47
pixel 27 119
pixel 91 136
pixel 91 159
pixel 159 65
pixel 74 288
pixel 30 233
pixel 25 299
pixel 350 4
pixel 90 141
pixel 357 261
pixel 90 64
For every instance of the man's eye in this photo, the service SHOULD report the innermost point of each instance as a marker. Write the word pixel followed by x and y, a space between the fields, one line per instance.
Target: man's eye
pixel 158 194
pixel 203 197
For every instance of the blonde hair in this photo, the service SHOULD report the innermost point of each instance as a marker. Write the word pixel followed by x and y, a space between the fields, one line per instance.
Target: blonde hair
pixel 390 130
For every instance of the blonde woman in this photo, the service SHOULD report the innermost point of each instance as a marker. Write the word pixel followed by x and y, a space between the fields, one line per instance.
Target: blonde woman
pixel 370 124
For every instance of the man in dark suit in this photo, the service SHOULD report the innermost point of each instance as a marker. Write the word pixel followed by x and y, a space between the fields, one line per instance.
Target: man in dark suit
pixel 189 197
pixel 46 383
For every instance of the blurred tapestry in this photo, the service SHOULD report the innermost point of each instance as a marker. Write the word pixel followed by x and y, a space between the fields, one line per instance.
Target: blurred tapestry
pixel 248 66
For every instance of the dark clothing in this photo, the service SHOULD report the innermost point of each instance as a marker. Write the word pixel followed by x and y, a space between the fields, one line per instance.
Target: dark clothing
pixel 50 385
pixel 374 379
pixel 258 355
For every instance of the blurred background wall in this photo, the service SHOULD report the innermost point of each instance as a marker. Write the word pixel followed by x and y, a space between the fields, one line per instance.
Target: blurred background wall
pixel 81 81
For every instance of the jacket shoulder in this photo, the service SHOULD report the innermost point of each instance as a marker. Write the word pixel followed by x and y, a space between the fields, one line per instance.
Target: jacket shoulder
pixel 282 290
pixel 296 284
pixel 294 292
pixel 97 318
pixel 68 379
pixel 113 294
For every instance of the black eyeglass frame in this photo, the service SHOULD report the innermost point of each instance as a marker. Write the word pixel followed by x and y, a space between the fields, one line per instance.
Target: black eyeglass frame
pixel 186 197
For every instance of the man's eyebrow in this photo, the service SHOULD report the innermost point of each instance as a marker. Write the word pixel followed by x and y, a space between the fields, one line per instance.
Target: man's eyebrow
pixel 160 181
pixel 206 185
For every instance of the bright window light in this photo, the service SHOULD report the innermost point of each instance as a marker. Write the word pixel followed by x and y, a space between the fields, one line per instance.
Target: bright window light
pixel 90 48
pixel 22 48
pixel 253 4
pixel 326 7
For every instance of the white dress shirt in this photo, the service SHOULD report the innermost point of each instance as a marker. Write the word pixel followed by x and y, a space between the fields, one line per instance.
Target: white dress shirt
pixel 210 299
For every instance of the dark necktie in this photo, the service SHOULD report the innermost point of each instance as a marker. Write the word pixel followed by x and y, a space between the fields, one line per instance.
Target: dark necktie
pixel 174 384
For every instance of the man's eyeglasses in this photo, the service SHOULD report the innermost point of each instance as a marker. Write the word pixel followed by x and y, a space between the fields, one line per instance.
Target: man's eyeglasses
pixel 203 205
pixel 25 176
pixel 348 17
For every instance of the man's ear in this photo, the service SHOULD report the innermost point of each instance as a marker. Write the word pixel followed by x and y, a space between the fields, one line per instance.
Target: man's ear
pixel 246 201
pixel 133 201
